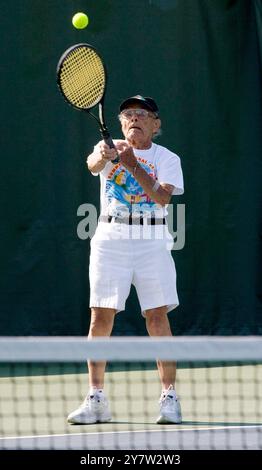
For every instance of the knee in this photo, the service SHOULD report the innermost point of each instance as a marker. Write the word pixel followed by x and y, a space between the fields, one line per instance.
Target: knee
pixel 101 323
pixel 156 322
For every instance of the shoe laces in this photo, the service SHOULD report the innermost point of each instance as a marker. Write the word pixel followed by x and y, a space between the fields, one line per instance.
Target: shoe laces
pixel 93 398
pixel 165 398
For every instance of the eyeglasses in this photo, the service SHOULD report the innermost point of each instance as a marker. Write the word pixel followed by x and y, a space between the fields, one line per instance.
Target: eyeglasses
pixel 139 113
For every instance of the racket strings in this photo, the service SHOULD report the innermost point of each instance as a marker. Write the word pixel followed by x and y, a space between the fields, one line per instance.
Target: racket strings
pixel 83 78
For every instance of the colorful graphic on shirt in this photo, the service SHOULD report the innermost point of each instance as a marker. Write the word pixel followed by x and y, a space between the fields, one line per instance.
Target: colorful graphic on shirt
pixel 123 192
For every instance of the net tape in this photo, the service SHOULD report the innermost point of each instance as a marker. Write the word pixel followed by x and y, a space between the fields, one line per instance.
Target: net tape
pixel 183 348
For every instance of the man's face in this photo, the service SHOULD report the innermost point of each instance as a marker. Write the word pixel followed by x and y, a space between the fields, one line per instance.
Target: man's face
pixel 139 128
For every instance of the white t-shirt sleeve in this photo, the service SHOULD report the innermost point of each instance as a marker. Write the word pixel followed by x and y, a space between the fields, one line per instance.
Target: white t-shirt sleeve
pixel 169 171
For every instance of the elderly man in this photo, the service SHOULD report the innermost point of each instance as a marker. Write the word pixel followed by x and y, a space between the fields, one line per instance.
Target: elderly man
pixel 134 195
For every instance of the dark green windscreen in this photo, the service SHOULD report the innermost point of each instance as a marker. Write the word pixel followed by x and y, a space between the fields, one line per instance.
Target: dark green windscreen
pixel 201 61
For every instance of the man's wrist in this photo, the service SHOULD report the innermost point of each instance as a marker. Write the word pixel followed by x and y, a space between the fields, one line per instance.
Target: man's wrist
pixel 101 160
pixel 155 186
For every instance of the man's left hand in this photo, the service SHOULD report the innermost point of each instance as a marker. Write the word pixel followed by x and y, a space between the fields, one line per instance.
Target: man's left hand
pixel 128 158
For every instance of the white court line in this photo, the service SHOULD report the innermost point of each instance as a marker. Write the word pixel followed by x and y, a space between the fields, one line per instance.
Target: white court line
pixel 130 432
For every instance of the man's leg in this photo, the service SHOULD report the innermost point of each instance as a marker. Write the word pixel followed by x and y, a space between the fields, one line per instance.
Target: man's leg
pixel 157 324
pixel 95 407
pixel 101 324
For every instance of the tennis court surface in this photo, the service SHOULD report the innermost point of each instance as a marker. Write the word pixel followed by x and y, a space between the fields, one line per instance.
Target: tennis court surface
pixel 219 383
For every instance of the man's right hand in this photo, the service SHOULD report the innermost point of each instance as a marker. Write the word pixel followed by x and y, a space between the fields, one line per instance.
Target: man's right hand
pixel 103 154
pixel 106 153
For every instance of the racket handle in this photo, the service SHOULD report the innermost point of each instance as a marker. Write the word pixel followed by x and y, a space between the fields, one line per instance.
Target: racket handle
pixel 108 140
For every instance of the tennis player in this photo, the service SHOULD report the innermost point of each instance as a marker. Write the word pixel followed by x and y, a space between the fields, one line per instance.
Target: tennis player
pixel 132 246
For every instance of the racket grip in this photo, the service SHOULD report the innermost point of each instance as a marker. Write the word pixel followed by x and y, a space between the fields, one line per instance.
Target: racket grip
pixel 108 140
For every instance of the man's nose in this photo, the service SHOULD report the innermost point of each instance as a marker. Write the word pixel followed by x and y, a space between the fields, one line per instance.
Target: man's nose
pixel 134 117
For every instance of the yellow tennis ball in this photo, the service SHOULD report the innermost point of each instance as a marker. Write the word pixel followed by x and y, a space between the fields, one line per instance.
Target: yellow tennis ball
pixel 80 20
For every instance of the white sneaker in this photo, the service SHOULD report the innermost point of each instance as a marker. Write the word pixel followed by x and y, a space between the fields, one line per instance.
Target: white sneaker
pixel 170 409
pixel 94 409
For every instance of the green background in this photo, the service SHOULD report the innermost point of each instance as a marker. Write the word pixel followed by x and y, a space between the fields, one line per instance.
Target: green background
pixel 201 61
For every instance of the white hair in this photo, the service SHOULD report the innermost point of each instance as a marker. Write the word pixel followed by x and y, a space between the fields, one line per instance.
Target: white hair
pixel 157 133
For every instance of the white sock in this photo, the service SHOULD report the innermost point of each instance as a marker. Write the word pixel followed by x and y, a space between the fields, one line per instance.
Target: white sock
pixel 95 391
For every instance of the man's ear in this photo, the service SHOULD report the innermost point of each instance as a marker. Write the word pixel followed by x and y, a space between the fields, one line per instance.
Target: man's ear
pixel 157 125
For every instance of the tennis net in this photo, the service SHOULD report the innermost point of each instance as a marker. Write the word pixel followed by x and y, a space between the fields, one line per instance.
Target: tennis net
pixel 219 383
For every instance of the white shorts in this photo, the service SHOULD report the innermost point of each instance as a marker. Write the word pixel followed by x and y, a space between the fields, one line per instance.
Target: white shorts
pixel 116 263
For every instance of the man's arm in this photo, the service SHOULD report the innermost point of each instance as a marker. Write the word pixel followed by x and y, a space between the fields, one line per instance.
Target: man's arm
pixel 102 154
pixel 95 162
pixel 159 192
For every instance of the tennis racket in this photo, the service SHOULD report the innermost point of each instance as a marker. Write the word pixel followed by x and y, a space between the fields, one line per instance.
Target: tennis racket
pixel 81 78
